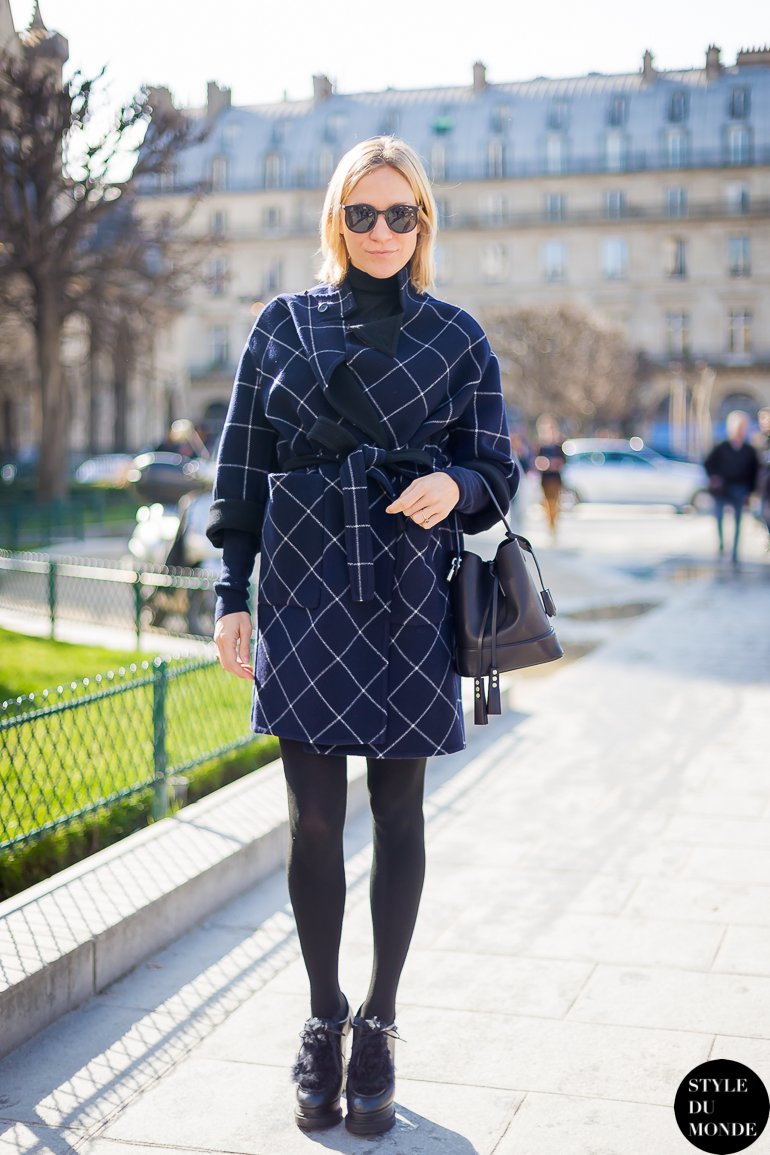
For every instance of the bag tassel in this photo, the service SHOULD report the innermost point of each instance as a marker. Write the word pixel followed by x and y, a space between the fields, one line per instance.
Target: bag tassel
pixel 479 703
pixel 494 702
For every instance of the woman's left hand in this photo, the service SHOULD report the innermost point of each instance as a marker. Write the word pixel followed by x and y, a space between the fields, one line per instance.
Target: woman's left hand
pixel 427 500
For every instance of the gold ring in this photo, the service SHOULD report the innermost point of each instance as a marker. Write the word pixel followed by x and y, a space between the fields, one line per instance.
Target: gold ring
pixel 425 520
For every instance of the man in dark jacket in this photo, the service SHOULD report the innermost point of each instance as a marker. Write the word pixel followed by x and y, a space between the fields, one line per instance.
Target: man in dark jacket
pixel 732 466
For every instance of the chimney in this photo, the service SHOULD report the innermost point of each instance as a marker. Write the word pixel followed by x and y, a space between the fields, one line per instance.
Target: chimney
pixel 161 99
pixel 750 56
pixel 322 88
pixel 648 71
pixel 217 99
pixel 479 77
pixel 713 65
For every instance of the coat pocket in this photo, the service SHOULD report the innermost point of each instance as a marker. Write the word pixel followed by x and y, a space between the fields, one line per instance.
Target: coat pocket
pixel 293 539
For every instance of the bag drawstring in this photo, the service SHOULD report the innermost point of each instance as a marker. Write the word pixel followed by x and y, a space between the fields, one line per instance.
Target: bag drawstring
pixel 494 704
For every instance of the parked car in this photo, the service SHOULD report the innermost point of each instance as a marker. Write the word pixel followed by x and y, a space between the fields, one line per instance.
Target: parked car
pixel 604 470
pixel 109 469
pixel 165 477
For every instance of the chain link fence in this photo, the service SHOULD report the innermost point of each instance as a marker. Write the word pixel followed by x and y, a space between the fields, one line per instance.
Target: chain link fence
pixel 172 599
pixel 67 752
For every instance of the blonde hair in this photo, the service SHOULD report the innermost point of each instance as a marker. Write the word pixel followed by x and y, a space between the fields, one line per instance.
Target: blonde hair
pixel 363 158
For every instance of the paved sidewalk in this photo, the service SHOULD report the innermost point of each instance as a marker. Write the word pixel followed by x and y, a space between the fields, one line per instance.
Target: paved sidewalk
pixel 596 922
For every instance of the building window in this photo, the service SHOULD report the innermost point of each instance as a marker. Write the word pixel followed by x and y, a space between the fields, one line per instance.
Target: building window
pixel 615 151
pixel 443 272
pixel 219 343
pixel 494 264
pixel 738 199
pixel 614 258
pixel 219 173
pixel 218 223
pixel 495 159
pixel 738 144
pixel 614 204
pixel 273 170
pixel 554 260
pixel 739 104
pixel 739 332
pixel 278 132
pixel 389 122
pixel 325 165
pixel 271 282
pixel 617 111
pixel 677 107
pixel 271 218
pixel 500 118
pixel 216 276
pixel 555 207
pixel 334 127
pixel 676 201
pixel 438 161
pixel 676 257
pixel 739 256
pixel 678 334
pixel 497 210
pixel 555 153
pixel 557 116
pixel 676 149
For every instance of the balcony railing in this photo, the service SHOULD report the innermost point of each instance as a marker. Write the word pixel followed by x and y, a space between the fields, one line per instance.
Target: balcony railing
pixel 508 167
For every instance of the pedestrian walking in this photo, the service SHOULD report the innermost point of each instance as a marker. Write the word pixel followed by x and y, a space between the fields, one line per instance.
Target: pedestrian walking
pixel 732 466
pixel 549 462
pixel 364 415
pixel 762 446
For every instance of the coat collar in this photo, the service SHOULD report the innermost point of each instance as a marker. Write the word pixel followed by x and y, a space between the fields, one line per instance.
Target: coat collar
pixel 320 316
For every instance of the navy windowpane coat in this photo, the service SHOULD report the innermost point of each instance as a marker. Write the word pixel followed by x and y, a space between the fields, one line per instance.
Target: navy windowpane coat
pixel 354 652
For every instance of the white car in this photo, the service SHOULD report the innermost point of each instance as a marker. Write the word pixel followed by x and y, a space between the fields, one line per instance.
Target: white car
pixel 603 470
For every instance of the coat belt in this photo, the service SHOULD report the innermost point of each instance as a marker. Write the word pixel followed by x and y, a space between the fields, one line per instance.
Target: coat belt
pixel 358 462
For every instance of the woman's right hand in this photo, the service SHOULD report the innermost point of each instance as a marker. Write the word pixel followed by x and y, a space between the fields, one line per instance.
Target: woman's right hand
pixel 232 637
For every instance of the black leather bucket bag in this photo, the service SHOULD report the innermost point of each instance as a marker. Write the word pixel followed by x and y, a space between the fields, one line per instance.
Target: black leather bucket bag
pixel 502 621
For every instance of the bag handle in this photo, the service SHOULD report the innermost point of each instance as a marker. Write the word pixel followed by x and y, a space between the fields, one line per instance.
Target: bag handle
pixel 525 544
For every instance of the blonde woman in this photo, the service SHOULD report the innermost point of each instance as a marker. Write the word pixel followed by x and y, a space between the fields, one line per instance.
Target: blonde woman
pixel 364 413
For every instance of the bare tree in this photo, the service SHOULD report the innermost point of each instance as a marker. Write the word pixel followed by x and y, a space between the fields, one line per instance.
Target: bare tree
pixel 60 177
pixel 132 295
pixel 564 361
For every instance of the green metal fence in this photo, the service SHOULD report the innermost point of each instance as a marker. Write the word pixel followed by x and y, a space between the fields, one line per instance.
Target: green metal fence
pixel 26 523
pixel 172 599
pixel 67 752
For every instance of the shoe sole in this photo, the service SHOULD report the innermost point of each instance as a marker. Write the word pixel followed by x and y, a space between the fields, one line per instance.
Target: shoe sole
pixel 317 1122
pixel 374 1124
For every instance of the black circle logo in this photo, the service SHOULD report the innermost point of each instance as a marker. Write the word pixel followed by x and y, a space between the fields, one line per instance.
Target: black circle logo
pixel 721 1106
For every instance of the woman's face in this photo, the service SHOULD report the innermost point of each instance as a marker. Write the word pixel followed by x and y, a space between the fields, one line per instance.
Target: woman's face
pixel 381 252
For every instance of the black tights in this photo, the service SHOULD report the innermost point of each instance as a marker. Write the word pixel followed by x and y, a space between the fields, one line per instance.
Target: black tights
pixel 317 789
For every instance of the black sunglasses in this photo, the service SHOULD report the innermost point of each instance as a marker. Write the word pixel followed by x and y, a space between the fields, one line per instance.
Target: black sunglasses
pixel 363 218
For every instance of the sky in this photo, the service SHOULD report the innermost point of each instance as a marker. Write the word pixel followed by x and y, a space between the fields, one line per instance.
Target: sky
pixel 263 50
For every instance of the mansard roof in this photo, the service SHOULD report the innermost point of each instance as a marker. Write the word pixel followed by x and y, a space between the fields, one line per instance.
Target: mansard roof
pixel 519 120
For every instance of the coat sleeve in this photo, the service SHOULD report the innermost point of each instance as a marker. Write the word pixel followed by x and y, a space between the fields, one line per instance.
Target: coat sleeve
pixel 247 454
pixel 479 440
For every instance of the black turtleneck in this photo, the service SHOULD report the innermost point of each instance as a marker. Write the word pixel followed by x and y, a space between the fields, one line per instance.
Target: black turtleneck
pixel 378 316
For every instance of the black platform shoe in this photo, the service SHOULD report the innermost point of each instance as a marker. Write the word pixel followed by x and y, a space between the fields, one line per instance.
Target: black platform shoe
pixel 319 1072
pixel 371 1080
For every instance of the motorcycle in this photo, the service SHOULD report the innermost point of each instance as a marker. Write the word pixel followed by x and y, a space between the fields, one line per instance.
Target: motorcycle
pixel 170 532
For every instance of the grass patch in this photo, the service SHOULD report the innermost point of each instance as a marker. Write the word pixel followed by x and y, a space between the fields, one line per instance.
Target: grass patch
pixel 98 741
pixel 54 851
pixel 34 664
